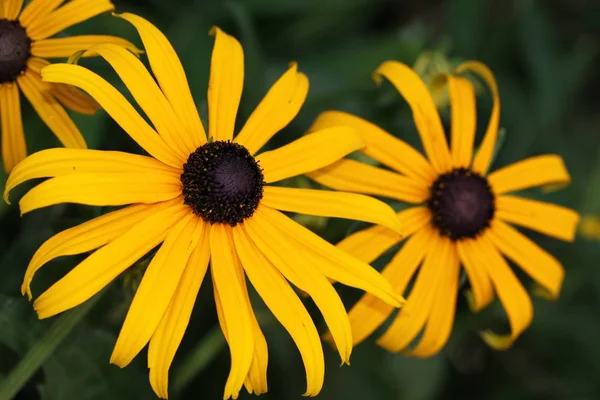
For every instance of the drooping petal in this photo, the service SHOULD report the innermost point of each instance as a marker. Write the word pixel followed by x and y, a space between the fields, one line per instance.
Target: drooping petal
pixel 536 262
pixel 483 158
pixel 74 99
pixel 235 308
pixel 425 114
pixel 117 106
pixel 170 75
pixel 225 85
pixel 101 189
pixel 275 111
pixel 14 149
pixel 10 9
pixel 49 109
pixel 463 120
pixel 528 173
pixel 550 219
pixel 169 333
pixel 326 203
pixel 104 265
pixel 311 152
pixel 65 47
pixel 472 259
pixel 514 298
pixel 370 312
pixel 353 176
pixel 156 290
pixel 35 11
pixel 285 306
pixel 383 147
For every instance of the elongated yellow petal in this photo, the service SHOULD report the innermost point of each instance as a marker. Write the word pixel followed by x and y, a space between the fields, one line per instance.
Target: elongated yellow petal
pixel 353 176
pixel 14 149
pixel 332 262
pixel 116 106
pixel 382 146
pixel 536 262
pixel 49 109
pixel 280 105
pixel 100 189
pixel 556 221
pixel 170 75
pixel 471 257
pixel 309 153
pixel 483 158
pixel 66 47
pixel 73 12
pixel 331 204
pixel 156 290
pixel 528 173
pixel 10 9
pixel 104 265
pixel 425 114
pixel 285 306
pixel 74 99
pixel 36 64
pixel 514 298
pixel 61 162
pixel 463 120
pixel 236 316
pixel 291 260
pixel 225 85
pixel 36 10
pixel 367 245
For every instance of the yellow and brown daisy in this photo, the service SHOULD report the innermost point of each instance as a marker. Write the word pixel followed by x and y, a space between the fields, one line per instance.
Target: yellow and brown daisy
pixel 204 200
pixel 26 40
pixel 462 216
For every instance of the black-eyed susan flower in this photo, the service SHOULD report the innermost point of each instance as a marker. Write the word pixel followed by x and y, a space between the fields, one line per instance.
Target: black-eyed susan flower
pixel 462 216
pixel 201 200
pixel 26 41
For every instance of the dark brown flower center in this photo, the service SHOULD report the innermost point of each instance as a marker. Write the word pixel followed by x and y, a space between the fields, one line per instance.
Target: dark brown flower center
pixel 222 183
pixel 15 48
pixel 462 204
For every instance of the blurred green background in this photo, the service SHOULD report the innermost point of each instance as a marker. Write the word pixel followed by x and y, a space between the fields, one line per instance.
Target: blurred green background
pixel 545 57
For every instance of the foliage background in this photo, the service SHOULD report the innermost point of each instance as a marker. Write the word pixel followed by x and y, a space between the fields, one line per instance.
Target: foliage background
pixel 544 55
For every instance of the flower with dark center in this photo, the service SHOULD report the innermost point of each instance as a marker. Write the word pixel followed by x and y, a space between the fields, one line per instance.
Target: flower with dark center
pixel 15 48
pixel 222 183
pixel 462 204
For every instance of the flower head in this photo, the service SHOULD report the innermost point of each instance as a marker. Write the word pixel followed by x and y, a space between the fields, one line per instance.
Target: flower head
pixel 462 216
pixel 201 200
pixel 25 43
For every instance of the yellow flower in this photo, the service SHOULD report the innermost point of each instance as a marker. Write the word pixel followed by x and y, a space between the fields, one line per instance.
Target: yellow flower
pixel 203 200
pixel 25 42
pixel 461 216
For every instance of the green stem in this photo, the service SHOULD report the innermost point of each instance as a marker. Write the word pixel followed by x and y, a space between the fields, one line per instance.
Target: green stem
pixel 24 370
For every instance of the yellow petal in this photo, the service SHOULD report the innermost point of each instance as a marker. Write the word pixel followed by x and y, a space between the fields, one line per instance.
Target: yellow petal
pixel 280 105
pixel 49 109
pixel 370 312
pixel 528 173
pixel 291 260
pixel 14 149
pixel 225 85
pixel 425 114
pixel 383 147
pixel 332 262
pixel 36 64
pixel 326 203
pixel 170 75
pixel 463 120
pixel 101 189
pixel 234 305
pixel 483 158
pixel 104 265
pixel 353 176
pixel 311 152
pixel 170 331
pixel 36 10
pixel 9 9
pixel 514 298
pixel 74 99
pixel 67 46
pixel 285 306
pixel 537 263
pixel 74 12
pixel 550 219
pixel 60 162
pixel 116 106
pixel 471 257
